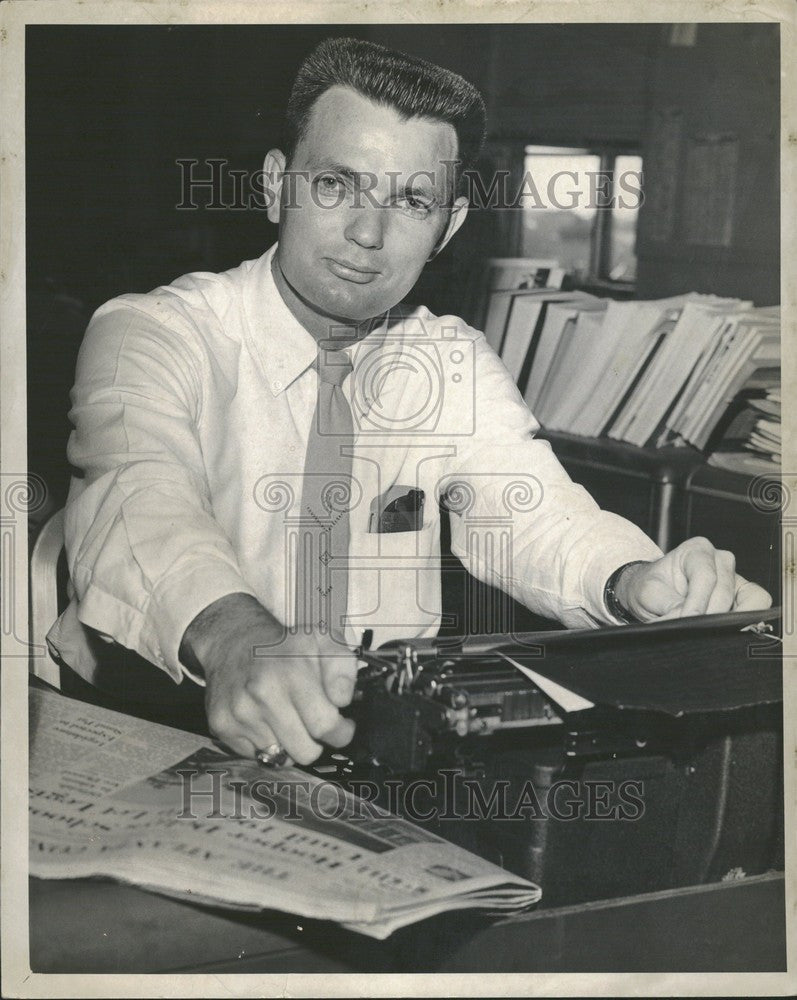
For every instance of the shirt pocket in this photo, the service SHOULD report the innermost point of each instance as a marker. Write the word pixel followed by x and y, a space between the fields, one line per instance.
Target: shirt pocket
pixel 394 583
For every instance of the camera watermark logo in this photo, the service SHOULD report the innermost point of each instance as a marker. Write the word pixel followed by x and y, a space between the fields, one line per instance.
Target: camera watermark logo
pixel 415 378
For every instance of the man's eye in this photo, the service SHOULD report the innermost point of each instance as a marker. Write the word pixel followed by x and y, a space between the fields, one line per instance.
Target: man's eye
pixel 328 184
pixel 417 207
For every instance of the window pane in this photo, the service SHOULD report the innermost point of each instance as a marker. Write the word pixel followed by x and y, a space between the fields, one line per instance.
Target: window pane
pixel 625 212
pixel 558 207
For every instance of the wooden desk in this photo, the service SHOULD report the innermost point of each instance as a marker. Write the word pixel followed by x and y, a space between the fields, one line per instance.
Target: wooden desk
pixel 99 927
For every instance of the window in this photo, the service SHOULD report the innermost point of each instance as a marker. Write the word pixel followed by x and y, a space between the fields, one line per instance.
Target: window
pixel 580 207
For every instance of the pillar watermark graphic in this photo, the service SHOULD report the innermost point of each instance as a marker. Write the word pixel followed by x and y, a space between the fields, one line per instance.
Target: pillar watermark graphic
pixel 770 495
pixel 19 495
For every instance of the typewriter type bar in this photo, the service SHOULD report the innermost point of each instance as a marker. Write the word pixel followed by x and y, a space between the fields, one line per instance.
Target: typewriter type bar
pixel 463 693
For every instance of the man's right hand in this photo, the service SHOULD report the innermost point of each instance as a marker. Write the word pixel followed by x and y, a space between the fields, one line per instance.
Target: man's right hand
pixel 266 686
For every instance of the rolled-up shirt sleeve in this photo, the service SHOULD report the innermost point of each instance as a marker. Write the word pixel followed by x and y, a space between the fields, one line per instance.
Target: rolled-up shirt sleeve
pixel 520 522
pixel 144 550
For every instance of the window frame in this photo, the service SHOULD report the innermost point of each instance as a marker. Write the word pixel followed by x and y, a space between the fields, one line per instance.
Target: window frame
pixel 601 232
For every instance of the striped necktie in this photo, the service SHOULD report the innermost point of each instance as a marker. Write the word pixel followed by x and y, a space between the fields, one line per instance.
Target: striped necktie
pixel 323 547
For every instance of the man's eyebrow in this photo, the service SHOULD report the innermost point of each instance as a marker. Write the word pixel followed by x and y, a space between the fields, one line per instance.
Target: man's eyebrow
pixel 338 168
pixel 416 188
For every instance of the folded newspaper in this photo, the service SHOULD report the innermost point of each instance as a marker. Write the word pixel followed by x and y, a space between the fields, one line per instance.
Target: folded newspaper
pixel 168 811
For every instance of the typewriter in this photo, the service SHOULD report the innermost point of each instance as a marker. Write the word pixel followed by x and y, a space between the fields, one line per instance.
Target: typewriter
pixel 424 701
pixel 688 711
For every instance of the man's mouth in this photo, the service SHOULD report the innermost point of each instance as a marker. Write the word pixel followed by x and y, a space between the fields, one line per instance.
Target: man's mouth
pixel 350 272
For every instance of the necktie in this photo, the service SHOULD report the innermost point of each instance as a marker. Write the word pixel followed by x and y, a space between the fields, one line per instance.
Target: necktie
pixel 323 545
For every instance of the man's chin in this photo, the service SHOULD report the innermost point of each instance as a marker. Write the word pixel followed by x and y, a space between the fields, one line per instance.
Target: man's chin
pixel 354 309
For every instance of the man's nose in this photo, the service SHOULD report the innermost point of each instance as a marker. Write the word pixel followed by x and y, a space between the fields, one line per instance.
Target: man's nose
pixel 366 226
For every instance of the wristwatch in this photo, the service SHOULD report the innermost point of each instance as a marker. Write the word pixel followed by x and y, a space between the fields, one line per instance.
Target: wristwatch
pixel 616 609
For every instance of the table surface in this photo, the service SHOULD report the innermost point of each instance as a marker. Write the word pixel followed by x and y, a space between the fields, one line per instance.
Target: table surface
pixel 98 926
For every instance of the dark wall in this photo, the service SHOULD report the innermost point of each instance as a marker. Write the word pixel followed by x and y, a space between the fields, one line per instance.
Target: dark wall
pixel 724 93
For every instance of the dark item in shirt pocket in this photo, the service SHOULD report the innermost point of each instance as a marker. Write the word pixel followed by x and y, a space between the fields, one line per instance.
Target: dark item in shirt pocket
pixel 399 509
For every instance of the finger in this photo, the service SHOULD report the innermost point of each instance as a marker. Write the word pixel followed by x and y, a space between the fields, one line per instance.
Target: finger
pixel 264 739
pixel 675 612
pixel 750 597
pixel 341 735
pixel 266 722
pixel 724 592
pixel 701 579
pixel 234 739
pixel 249 732
pixel 239 745
pixel 224 728
pixel 339 675
pixel 290 732
pixel 320 717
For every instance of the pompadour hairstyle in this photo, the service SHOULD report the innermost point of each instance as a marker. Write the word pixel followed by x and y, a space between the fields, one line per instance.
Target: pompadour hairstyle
pixel 413 87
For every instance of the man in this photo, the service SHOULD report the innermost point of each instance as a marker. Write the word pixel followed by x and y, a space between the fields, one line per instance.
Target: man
pixel 206 413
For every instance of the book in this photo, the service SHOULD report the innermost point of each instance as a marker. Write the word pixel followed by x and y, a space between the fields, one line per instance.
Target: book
pixel 560 370
pixel 641 327
pixel 573 374
pixel 658 389
pixel 559 320
pixel 507 273
pixel 498 310
pixel 524 325
pixel 749 436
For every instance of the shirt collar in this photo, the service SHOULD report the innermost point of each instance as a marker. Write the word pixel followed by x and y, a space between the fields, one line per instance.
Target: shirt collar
pixel 282 344
pixel 285 349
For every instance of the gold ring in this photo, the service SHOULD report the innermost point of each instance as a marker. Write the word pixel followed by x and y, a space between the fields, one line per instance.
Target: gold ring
pixel 273 756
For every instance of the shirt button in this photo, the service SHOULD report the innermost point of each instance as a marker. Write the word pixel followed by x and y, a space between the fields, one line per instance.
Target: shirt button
pixel 277 385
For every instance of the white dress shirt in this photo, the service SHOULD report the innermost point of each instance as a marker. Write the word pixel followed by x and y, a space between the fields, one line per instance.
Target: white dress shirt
pixel 191 409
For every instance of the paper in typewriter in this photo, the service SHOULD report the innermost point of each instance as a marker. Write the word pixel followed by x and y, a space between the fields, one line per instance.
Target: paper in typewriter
pixel 107 799
pixel 707 663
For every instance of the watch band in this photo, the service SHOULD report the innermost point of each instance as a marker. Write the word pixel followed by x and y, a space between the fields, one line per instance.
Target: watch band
pixel 615 608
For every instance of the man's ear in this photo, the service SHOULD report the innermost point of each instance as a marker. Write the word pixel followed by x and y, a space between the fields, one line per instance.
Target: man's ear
pixel 459 212
pixel 273 170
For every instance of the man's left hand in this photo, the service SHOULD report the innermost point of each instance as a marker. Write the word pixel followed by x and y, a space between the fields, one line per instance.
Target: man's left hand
pixel 692 579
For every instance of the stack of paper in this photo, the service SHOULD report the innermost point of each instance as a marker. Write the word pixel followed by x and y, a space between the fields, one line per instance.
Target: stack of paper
pixel 651 373
pixel 743 360
pixel 752 441
pixel 634 332
pixel 698 329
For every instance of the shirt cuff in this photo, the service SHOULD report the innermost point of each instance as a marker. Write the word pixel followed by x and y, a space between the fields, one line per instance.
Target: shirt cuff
pixel 619 544
pixel 176 602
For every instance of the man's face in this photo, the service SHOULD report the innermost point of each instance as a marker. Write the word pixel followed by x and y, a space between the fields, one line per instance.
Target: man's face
pixel 365 202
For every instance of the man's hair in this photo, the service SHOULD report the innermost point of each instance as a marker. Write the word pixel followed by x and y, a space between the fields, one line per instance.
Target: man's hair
pixel 413 87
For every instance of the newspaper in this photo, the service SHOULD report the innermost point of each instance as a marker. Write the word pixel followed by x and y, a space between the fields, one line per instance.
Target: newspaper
pixel 111 795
